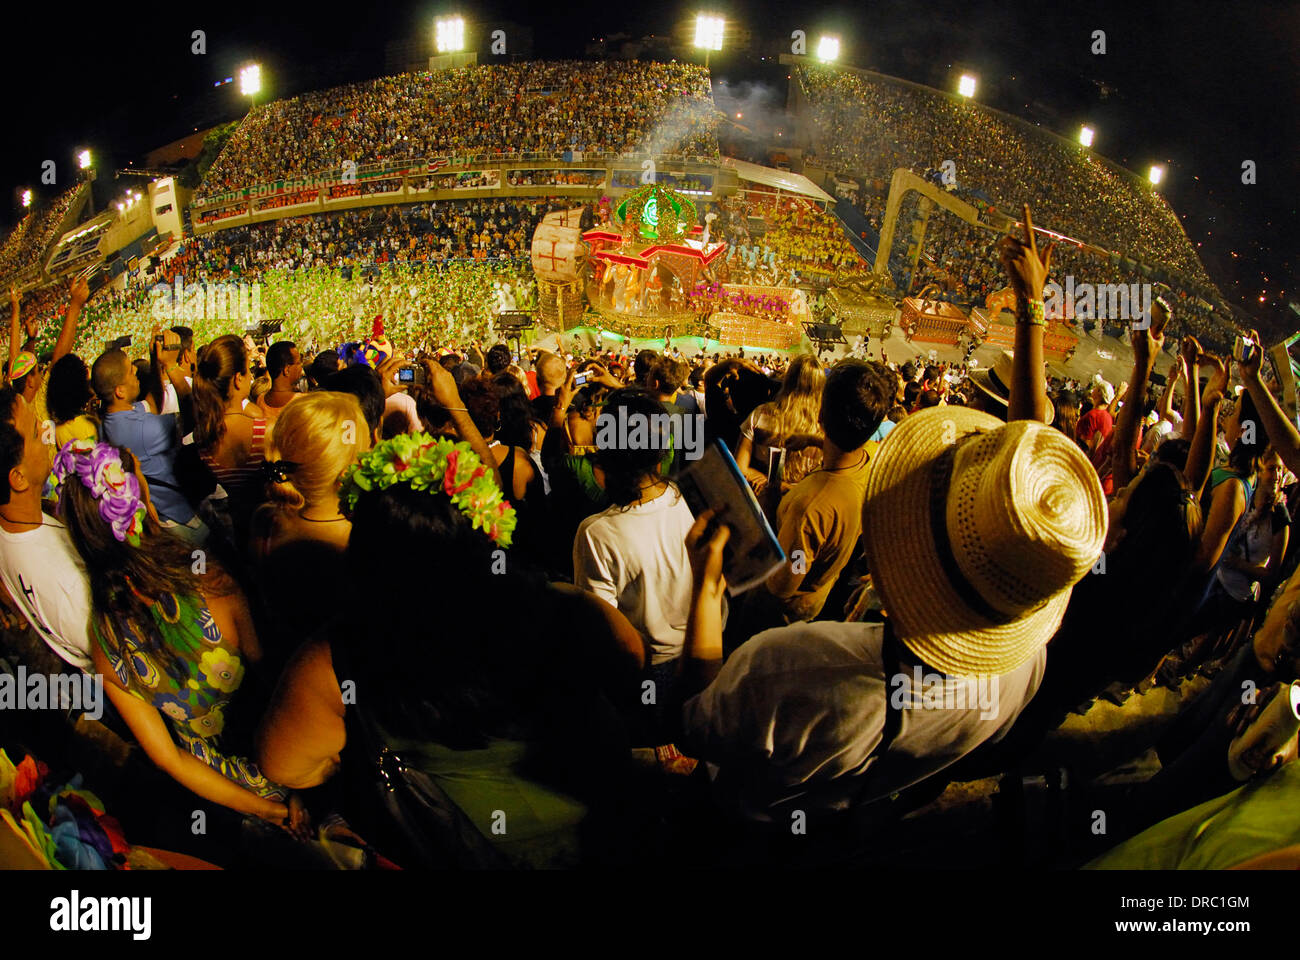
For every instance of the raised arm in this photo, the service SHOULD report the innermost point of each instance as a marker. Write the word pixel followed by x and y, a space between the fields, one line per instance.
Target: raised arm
pixel 446 393
pixel 702 651
pixel 1190 351
pixel 1121 396
pixel 1281 432
pixel 1200 456
pixel 1027 271
pixel 1146 347
pixel 78 294
pixel 1165 405
pixel 15 322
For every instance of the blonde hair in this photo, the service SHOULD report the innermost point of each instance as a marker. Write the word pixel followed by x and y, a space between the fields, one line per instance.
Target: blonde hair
pixel 796 412
pixel 261 386
pixel 322 433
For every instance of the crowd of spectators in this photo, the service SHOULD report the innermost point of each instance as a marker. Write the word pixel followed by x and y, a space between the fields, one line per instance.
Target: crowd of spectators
pixel 508 558
pixel 510 109
pixel 960 260
pixel 873 125
pixel 27 243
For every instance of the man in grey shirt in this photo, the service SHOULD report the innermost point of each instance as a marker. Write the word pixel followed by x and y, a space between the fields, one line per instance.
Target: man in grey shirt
pixel 975 533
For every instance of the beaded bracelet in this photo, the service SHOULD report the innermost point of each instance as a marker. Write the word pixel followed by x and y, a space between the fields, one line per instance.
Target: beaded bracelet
pixel 1032 312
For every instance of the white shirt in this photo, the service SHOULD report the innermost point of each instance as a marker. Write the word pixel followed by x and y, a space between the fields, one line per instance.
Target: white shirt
pixel 404 403
pixel 796 715
pixel 44 574
pixel 634 558
pixel 171 400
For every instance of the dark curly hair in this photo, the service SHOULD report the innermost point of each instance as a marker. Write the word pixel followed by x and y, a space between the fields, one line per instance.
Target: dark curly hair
pixel 68 395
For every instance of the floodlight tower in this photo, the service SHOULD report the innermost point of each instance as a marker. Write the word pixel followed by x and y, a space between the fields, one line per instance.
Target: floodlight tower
pixel 449 34
pixel 708 34
pixel 250 82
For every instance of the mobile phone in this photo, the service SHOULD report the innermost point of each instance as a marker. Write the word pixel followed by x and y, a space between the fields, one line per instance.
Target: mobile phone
pixel 581 378
pixel 775 464
pixel 1243 349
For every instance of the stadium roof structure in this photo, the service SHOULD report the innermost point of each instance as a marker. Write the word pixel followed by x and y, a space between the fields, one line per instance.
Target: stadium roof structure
pixel 784 180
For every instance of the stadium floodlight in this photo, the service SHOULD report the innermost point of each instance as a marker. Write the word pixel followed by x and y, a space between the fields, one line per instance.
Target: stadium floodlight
pixel 250 80
pixel 1085 136
pixel 1156 174
pixel 450 34
pixel 966 85
pixel 83 159
pixel 708 31
pixel 27 198
pixel 828 49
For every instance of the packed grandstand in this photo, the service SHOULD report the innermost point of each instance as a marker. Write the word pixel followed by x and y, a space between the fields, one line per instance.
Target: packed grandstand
pixel 864 126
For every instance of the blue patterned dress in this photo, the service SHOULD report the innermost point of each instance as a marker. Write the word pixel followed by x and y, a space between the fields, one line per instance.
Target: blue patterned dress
pixel 193 692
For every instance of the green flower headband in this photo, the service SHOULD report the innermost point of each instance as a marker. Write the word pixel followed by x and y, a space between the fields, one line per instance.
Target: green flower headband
pixel 437 466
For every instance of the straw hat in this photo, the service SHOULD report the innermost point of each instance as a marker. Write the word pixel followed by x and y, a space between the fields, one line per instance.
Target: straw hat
pixel 995 382
pixel 975 531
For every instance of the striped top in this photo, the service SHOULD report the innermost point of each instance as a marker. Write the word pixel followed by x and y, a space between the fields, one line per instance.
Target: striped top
pixel 244 484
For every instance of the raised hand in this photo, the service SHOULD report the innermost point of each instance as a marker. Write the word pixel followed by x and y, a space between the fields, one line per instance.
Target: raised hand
pixel 1217 387
pixel 1250 368
pixel 1026 268
pixel 78 290
pixel 705 542
pixel 442 384
pixel 1148 342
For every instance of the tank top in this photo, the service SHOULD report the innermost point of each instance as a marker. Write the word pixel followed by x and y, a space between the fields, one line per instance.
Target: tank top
pixel 243 483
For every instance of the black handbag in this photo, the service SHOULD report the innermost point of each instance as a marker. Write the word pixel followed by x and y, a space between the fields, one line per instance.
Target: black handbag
pixel 400 810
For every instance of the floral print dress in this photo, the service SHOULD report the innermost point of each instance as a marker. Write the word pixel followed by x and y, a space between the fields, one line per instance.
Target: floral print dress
pixel 193 692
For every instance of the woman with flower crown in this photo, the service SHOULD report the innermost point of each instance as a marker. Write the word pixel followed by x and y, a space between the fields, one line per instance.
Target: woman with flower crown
pixel 509 705
pixel 171 637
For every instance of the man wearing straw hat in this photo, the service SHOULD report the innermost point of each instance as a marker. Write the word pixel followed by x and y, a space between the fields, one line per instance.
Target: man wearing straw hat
pixel 975 532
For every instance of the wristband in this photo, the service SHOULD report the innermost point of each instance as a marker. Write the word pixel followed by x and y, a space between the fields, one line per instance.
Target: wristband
pixel 1032 312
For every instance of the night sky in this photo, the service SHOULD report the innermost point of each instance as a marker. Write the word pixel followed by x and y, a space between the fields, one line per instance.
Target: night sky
pixel 1197 86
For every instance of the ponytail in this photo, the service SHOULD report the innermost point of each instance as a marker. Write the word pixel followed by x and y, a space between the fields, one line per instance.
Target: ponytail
pixel 219 363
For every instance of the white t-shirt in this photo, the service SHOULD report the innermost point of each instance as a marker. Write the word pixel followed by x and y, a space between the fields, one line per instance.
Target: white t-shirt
pixel 404 403
pixel 1161 431
pixel 45 576
pixel 634 558
pixel 171 399
pixel 796 715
